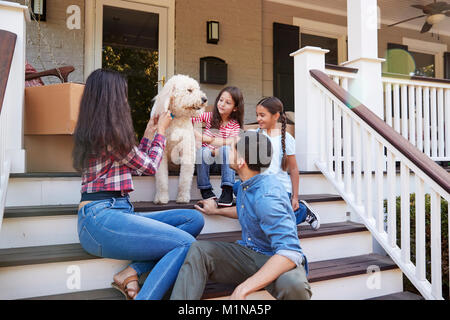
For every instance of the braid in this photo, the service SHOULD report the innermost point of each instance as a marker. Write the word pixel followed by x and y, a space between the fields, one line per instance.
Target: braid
pixel 283 141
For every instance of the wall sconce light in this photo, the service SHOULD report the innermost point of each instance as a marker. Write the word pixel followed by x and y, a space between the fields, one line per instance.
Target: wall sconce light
pixel 212 31
pixel 39 8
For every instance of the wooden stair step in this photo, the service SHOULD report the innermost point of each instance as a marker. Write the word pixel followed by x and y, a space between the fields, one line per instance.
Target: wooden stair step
pixel 147 206
pixel 405 295
pixel 73 252
pixel 319 271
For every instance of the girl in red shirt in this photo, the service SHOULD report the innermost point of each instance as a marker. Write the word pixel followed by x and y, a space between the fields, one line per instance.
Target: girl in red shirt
pixel 222 126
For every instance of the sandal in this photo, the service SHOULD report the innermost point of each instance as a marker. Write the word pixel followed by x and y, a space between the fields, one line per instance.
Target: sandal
pixel 123 286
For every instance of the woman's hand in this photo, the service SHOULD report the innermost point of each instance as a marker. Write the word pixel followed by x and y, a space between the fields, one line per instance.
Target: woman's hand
pixel 151 127
pixel 294 202
pixel 163 122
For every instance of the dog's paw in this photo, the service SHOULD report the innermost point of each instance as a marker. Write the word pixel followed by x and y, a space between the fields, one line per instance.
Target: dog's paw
pixel 161 199
pixel 183 198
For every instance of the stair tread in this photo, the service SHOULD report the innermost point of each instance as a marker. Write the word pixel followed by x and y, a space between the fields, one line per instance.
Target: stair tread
pixel 57 210
pixel 405 295
pixel 73 252
pixel 319 271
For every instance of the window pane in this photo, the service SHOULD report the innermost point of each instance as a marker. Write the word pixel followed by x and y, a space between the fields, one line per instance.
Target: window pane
pixel 324 43
pixel 424 64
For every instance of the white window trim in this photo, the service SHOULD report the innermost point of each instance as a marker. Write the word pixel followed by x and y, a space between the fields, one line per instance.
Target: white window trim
pixel 437 49
pixel 91 34
pixel 324 29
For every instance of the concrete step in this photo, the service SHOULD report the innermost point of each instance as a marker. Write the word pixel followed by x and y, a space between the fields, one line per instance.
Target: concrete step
pixel 64 189
pixel 330 280
pixel 46 270
pixel 26 226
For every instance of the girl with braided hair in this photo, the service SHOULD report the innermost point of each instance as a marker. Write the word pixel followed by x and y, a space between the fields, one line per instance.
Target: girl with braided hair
pixel 284 164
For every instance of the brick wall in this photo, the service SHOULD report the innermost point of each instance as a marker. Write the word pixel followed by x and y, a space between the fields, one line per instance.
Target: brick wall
pixel 55 45
pixel 240 44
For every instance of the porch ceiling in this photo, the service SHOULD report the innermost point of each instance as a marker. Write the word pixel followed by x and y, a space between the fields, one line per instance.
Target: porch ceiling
pixel 391 11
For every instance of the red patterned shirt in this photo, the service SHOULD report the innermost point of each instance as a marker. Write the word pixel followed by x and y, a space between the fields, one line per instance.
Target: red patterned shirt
pixel 232 129
pixel 113 174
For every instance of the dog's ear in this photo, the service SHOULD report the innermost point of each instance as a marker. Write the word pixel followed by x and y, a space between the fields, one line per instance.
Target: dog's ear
pixel 164 99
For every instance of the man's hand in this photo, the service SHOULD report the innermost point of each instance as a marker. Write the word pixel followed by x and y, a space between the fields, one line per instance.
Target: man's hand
pixel 294 202
pixel 208 207
pixel 239 293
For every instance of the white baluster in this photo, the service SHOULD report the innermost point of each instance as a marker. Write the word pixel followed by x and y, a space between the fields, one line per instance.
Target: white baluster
pixel 419 118
pixel 368 174
pixel 347 154
pixel 404 111
pixel 392 207
pixel 433 111
pixel 447 124
pixel 436 253
pixel 329 134
pixel 420 230
pixel 357 162
pixel 338 142
pixel 379 174
pixel 405 214
pixel 426 121
pixel 344 83
pixel 441 142
pixel 388 104
pixel 397 108
pixel 323 101
pixel 412 115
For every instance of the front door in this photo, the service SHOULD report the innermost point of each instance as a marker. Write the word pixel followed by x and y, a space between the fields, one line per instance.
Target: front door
pixel 131 38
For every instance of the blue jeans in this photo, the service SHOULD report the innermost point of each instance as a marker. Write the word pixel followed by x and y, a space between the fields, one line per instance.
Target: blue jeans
pixel 300 213
pixel 159 240
pixel 203 162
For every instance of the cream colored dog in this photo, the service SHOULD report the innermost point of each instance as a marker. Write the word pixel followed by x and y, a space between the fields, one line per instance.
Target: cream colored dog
pixel 181 95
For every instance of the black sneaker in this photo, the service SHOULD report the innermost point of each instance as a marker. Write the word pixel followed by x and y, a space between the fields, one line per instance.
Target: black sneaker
pixel 226 198
pixel 311 217
pixel 207 194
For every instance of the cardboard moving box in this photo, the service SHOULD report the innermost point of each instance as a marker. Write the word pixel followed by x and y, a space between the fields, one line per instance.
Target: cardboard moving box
pixel 52 109
pixel 51 114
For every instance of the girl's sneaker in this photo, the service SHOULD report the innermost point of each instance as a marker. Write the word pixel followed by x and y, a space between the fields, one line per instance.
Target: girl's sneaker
pixel 207 194
pixel 311 217
pixel 226 198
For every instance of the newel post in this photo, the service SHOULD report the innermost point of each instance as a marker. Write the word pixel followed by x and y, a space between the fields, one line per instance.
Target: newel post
pixel 307 102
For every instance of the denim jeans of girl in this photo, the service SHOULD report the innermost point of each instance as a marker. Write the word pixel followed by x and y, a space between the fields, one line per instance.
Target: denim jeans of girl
pixel 203 162
pixel 156 241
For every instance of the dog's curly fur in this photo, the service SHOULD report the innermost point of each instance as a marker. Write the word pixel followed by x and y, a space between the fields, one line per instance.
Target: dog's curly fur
pixel 181 95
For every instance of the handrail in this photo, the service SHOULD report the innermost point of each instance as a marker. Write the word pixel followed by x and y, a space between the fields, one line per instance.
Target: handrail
pixel 340 68
pixel 7 45
pixel 415 78
pixel 354 142
pixel 428 166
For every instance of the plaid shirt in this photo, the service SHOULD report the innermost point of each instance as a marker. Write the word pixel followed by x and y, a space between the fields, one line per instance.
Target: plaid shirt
pixel 112 174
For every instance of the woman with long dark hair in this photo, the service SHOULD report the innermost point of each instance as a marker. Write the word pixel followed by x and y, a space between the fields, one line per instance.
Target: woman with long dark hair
pixel 106 154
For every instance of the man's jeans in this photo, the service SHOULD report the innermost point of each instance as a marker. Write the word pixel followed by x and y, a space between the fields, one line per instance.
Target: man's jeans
pixel 159 240
pixel 232 263
pixel 203 162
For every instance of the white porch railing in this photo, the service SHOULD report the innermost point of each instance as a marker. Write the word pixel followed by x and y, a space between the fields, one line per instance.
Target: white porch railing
pixel 354 145
pixel 419 109
pixel 341 75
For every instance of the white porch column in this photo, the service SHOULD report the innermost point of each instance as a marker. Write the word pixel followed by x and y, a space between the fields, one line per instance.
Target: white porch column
pixel 307 102
pixel 362 21
pixel 13 18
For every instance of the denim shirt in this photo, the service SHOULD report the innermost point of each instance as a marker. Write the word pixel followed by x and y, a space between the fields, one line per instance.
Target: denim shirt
pixel 267 219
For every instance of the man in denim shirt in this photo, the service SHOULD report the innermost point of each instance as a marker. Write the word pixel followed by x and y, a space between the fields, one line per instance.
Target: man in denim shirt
pixel 269 254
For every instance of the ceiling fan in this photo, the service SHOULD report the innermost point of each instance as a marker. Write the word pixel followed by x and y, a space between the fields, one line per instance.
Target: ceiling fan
pixel 435 12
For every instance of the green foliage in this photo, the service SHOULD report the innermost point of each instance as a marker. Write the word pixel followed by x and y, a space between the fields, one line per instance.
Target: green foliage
pixel 140 66
pixel 444 238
